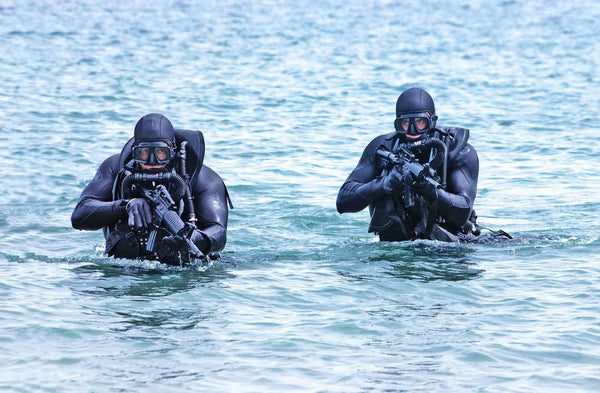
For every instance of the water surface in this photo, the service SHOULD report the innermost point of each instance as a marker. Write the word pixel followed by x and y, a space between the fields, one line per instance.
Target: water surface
pixel 304 299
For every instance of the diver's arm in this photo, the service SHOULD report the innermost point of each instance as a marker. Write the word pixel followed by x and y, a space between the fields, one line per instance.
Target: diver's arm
pixel 364 186
pixel 95 208
pixel 456 202
pixel 210 204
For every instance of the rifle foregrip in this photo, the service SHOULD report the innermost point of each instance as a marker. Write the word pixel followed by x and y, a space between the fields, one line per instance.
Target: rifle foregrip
pixel 173 222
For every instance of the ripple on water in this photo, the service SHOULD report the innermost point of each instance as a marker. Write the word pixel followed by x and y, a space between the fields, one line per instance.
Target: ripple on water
pixel 303 299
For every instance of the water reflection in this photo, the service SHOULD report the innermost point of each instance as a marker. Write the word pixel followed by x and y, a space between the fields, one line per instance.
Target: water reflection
pixel 129 296
pixel 177 319
pixel 429 261
pixel 420 260
pixel 146 279
pixel 427 271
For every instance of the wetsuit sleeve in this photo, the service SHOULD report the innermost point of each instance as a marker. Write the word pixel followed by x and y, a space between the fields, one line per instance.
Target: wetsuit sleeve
pixel 210 205
pixel 95 208
pixel 456 202
pixel 364 185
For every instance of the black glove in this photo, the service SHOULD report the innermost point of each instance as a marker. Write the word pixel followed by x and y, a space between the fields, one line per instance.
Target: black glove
pixel 139 212
pixel 178 243
pixel 392 181
pixel 425 187
pixel 174 242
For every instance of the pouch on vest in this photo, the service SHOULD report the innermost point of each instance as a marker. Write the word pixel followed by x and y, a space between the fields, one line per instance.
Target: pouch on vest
pixel 384 218
pixel 122 243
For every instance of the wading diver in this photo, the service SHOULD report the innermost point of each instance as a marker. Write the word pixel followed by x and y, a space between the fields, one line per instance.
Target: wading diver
pixel 156 200
pixel 420 181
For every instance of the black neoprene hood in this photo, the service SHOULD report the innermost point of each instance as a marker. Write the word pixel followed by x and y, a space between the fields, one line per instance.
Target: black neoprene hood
pixel 154 127
pixel 414 100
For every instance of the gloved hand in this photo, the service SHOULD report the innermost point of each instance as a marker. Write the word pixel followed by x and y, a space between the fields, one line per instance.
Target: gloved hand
pixel 139 212
pixel 178 243
pixel 428 189
pixel 174 242
pixel 392 181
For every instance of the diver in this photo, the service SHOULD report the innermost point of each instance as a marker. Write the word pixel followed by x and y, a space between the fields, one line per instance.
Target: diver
pixel 419 181
pixel 159 168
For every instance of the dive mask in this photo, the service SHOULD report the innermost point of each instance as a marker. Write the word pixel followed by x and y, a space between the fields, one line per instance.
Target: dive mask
pixel 414 123
pixel 153 153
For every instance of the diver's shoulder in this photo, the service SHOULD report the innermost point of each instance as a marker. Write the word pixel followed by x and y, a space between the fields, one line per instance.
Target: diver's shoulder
pixel 383 139
pixel 458 138
pixel 208 177
pixel 111 162
pixel 458 135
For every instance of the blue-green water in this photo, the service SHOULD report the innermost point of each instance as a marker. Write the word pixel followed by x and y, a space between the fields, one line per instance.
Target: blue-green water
pixel 288 94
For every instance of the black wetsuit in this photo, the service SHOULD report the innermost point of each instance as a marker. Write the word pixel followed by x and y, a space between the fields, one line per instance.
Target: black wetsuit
pixel 454 216
pixel 97 208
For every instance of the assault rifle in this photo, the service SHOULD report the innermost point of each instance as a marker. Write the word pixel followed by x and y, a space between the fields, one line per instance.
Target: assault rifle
pixel 164 213
pixel 412 171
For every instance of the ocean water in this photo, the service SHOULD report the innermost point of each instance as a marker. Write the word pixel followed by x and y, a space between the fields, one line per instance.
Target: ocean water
pixel 288 94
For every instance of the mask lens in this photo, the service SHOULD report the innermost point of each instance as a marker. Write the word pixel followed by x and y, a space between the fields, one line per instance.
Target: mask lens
pixel 405 123
pixel 421 123
pixel 161 154
pixel 141 154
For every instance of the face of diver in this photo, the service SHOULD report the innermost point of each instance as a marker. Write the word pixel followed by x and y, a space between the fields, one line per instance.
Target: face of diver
pixel 153 156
